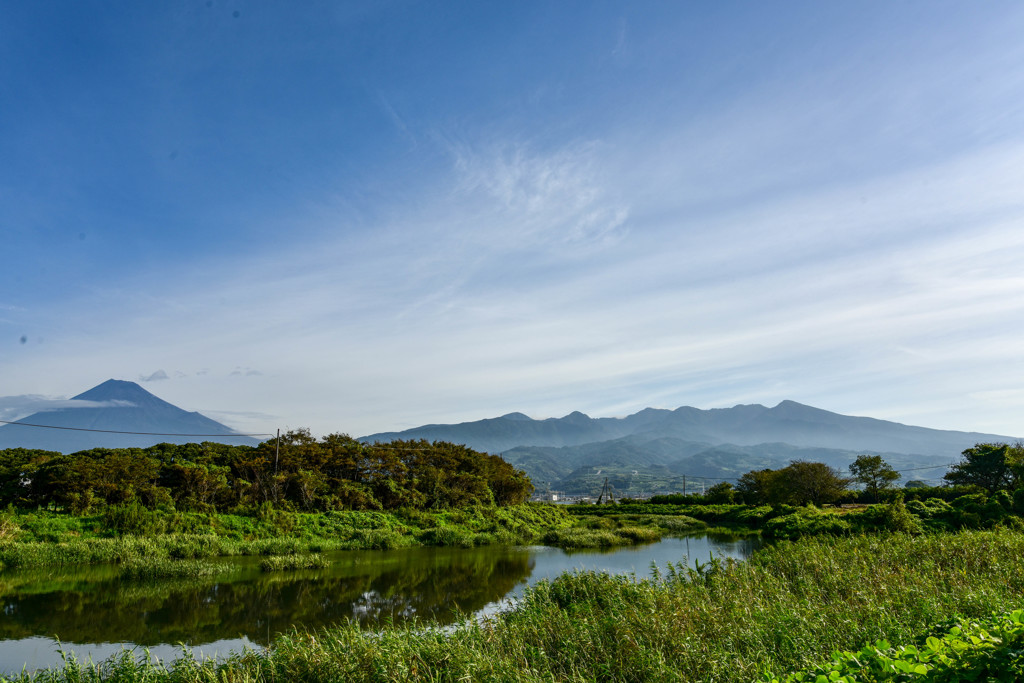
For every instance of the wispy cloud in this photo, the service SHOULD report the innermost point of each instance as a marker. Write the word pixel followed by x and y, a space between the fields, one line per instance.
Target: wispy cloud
pixel 555 198
pixel 17 407
pixel 154 377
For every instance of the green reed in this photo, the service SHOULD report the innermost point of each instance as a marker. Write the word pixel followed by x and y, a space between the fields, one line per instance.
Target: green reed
pixel 277 563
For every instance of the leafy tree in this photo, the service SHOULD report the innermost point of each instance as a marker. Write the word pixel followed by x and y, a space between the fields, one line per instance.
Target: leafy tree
pixel 295 472
pixel 802 482
pixel 17 469
pixel 755 486
pixel 992 466
pixel 721 493
pixel 874 473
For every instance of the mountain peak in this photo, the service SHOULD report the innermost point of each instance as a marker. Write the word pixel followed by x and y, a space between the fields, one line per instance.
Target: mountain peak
pixel 122 390
pixel 515 416
pixel 793 409
pixel 116 414
pixel 113 389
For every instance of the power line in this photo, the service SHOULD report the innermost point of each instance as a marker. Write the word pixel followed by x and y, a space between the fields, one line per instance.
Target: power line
pixel 113 431
pixel 909 469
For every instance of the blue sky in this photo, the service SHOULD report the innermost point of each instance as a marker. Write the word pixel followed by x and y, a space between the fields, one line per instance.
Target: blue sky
pixel 361 217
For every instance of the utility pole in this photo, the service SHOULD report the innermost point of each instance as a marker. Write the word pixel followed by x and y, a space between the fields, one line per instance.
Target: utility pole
pixel 277 450
pixel 684 484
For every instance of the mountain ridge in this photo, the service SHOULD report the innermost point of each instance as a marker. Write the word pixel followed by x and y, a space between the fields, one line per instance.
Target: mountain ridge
pixel 744 424
pixel 658 448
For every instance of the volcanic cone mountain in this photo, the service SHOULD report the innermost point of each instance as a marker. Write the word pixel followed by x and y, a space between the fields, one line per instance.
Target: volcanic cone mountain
pixel 120 407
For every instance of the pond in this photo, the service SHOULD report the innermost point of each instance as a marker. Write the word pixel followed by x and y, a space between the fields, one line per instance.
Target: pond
pixel 91 612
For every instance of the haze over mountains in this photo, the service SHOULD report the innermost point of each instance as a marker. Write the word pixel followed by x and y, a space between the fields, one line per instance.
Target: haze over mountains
pixel 119 407
pixel 652 450
pixel 656 449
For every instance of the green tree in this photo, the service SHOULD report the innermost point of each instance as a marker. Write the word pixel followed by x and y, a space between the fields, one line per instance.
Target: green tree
pixel 992 466
pixel 721 493
pixel 755 486
pixel 874 473
pixel 802 482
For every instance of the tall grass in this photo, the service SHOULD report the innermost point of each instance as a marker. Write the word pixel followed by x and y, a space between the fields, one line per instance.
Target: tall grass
pixel 277 563
pixel 787 608
pixel 163 568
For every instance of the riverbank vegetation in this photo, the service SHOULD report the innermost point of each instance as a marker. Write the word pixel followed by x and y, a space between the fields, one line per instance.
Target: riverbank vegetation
pixel 846 578
pixel 984 491
pixel 255 504
pixel 786 610
pixel 120 534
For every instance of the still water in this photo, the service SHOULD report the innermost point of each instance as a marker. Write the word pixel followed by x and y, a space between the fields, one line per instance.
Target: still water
pixel 91 612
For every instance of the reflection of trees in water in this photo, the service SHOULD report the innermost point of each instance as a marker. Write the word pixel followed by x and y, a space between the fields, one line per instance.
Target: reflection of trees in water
pixel 430 585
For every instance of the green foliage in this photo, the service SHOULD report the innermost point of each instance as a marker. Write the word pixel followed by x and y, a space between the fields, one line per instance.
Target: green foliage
pixel 991 466
pixel 874 473
pixel 295 473
pixel 799 483
pixel 133 519
pixel 49 538
pixel 723 515
pixel 601 533
pixel 989 649
pixel 788 608
pixel 722 493
pixel 808 521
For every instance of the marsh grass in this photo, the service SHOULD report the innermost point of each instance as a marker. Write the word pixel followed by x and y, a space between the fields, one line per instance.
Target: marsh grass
pixel 165 568
pixel 786 609
pixel 276 563
pixel 583 537
pixel 43 538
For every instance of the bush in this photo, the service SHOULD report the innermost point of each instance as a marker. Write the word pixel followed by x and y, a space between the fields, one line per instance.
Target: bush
pixel 893 516
pixel 449 536
pixel 133 519
pixel 989 649
pixel 806 522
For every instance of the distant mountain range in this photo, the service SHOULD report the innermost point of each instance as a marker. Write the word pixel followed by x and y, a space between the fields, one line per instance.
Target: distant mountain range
pixel 658 449
pixel 652 450
pixel 120 407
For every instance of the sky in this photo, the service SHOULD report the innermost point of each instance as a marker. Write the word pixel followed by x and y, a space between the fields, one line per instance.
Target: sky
pixel 360 217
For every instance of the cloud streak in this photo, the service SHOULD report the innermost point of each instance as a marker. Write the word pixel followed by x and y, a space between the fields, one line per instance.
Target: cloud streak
pixel 17 407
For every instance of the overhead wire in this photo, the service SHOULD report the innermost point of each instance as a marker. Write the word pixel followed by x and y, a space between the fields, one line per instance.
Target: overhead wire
pixel 114 431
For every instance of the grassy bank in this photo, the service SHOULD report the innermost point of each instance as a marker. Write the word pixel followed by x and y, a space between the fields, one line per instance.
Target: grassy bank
pixel 39 538
pixel 787 609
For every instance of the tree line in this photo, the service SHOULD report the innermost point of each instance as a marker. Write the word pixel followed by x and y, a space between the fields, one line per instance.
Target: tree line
pixel 985 467
pixel 294 472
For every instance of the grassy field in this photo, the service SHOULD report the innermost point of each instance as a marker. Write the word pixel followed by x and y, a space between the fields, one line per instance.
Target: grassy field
pixel 788 608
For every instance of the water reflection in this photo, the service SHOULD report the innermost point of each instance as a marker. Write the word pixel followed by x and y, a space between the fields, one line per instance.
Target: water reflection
pixel 92 604
pixel 95 610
